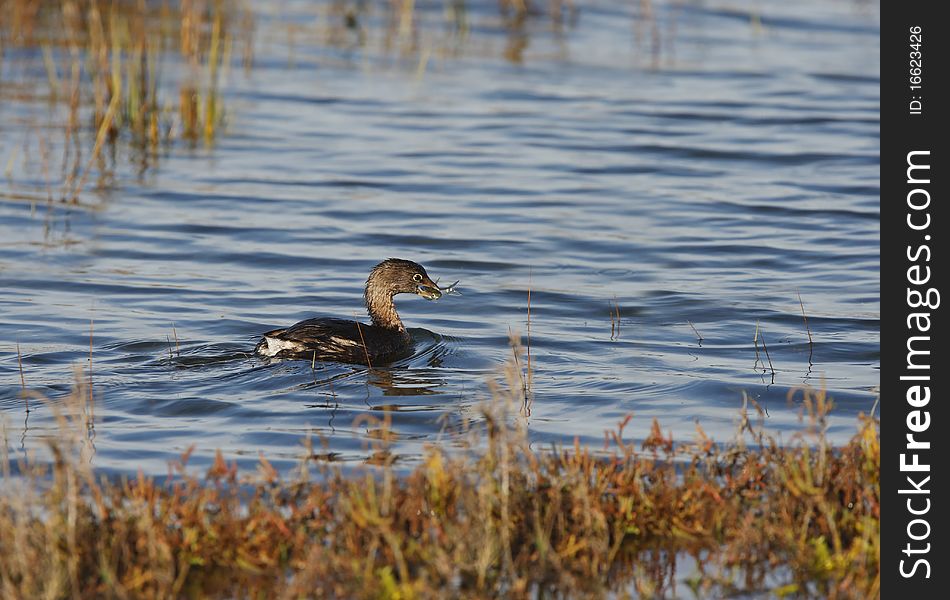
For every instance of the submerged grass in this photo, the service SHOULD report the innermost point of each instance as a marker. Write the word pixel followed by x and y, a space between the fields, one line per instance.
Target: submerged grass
pixel 501 519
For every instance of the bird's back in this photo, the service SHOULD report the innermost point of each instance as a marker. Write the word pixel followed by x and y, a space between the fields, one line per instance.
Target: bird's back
pixel 336 340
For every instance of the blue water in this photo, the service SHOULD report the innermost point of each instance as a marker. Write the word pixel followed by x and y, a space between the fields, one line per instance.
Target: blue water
pixel 698 171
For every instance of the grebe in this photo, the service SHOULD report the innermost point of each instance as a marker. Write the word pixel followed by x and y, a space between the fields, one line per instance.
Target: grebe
pixel 353 342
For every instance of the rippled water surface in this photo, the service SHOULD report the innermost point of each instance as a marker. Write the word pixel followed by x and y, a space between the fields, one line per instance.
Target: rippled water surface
pixel 695 176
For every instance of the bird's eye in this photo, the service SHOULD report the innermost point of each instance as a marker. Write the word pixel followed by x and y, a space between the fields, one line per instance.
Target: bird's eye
pixel 417 278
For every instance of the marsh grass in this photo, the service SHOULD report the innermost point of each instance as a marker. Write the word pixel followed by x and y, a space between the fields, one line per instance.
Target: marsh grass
pixel 105 82
pixel 129 73
pixel 751 516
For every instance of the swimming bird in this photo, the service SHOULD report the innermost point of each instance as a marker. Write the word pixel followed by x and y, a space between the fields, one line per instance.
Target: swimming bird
pixel 383 340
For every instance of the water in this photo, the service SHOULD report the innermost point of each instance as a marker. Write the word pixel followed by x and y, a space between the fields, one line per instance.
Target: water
pixel 699 188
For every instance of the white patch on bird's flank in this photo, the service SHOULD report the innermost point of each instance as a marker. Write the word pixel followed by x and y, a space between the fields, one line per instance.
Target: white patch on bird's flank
pixel 339 341
pixel 276 345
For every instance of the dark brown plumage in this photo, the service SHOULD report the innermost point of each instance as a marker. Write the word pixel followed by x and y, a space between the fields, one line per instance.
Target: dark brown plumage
pixel 384 340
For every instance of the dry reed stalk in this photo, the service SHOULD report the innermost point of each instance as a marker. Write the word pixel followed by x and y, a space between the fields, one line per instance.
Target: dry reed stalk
pixel 804 317
pixel 755 342
pixel 528 333
pixel 613 322
pixel 91 403
pixel 766 348
pixel 97 147
pixel 614 319
pixel 515 343
pixel 699 336
pixel 406 18
pixel 811 344
pixel 617 306
pixel 359 328
pixel 19 362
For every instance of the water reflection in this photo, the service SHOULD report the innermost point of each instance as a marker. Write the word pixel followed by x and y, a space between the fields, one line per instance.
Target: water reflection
pixel 407 382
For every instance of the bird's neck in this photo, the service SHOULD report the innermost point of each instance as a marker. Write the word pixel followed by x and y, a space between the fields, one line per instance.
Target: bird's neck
pixel 382 309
